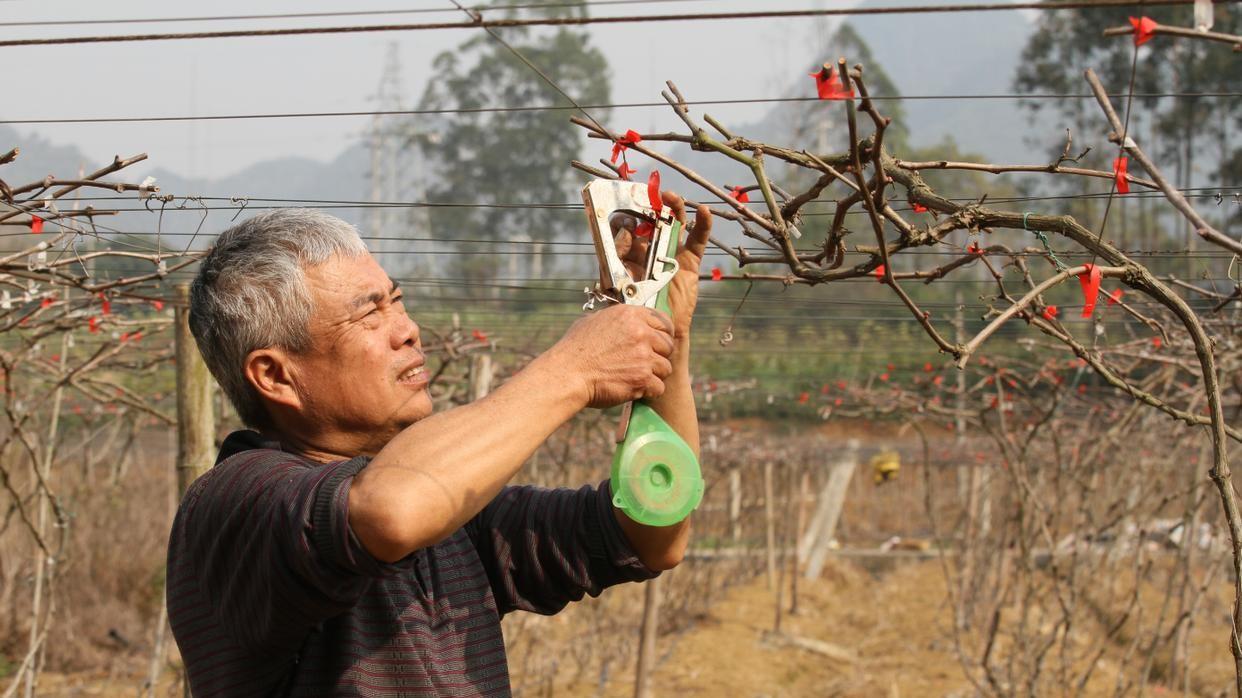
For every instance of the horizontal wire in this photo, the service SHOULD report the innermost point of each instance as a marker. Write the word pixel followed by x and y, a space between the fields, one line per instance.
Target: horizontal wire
pixel 953 251
pixel 320 15
pixel 256 203
pixel 599 107
pixel 589 20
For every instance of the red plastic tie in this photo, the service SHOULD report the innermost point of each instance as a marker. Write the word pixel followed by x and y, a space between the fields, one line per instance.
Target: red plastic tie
pixel 1144 29
pixel 36 224
pixel 1115 296
pixel 918 208
pixel 621 144
pixel 879 273
pixel 829 86
pixel 717 275
pixel 1090 281
pixel 1050 312
pixel 1119 174
pixel 479 335
pixel 739 194
pixel 625 171
pixel 653 191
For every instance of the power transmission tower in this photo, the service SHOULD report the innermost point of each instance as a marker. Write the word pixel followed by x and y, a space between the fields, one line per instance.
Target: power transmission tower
pixel 393 175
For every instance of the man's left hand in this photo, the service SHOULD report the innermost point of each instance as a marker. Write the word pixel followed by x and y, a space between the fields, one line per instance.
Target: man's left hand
pixel 683 293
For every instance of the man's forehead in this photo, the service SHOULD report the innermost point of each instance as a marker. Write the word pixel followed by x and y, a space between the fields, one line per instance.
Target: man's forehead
pixel 353 281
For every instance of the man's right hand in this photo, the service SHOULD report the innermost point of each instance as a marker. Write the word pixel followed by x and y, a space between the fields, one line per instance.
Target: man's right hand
pixel 617 354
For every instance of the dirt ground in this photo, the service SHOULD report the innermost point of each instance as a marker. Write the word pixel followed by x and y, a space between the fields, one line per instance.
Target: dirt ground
pixel 890 625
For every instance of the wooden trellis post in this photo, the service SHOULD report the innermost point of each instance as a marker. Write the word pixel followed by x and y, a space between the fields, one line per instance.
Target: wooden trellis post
pixel 196 424
pixel 647 639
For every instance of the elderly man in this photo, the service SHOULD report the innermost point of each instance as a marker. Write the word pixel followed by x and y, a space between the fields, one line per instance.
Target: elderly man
pixel 354 543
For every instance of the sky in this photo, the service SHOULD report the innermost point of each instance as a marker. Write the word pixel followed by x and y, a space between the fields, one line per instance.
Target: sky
pixel 335 72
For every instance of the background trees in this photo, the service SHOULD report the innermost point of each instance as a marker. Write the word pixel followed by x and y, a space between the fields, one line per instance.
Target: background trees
pixel 507 164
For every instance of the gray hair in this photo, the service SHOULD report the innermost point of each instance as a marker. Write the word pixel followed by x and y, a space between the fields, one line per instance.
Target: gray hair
pixel 250 293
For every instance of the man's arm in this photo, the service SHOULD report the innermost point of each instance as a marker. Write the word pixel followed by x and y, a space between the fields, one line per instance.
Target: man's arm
pixel 441 471
pixel 662 548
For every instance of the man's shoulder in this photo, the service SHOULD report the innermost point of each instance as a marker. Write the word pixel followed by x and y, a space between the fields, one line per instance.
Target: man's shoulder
pixel 247 466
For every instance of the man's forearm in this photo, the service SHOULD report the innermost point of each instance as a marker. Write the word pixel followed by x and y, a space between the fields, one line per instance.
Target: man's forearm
pixel 662 548
pixel 676 405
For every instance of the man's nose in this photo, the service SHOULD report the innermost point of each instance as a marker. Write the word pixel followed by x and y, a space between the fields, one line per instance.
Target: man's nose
pixel 406 332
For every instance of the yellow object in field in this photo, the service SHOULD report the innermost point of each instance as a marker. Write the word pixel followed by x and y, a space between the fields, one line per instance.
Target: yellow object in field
pixel 885 464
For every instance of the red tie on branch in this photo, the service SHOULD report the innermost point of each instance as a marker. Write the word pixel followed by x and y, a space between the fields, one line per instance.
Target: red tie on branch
pixel 653 191
pixel 739 195
pixel 47 303
pixel 625 171
pixel 36 224
pixel 1050 312
pixel 803 398
pixel 1115 296
pixel 829 86
pixel 479 335
pixel 973 248
pixel 619 146
pixel 1119 174
pixel 1144 29
pixel 105 304
pixel 159 305
pixel 717 275
pixel 917 207
pixel 93 324
pixel 879 273
pixel 1090 281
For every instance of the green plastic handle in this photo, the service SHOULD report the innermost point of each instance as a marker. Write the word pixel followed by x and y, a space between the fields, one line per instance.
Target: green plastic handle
pixel 656 478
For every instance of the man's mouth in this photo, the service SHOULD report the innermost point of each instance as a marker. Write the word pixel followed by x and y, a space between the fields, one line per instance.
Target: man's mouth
pixel 412 375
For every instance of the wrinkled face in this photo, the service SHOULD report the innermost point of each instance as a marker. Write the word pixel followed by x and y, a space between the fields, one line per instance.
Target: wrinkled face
pixel 363 379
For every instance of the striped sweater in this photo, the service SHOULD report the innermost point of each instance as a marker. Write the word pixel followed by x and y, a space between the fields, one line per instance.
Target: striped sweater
pixel 270 594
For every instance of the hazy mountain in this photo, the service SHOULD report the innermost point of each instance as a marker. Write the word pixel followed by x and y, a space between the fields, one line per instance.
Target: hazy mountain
pixel 955 54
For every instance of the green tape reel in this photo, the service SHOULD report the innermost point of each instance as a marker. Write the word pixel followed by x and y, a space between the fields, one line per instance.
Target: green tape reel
pixel 655 476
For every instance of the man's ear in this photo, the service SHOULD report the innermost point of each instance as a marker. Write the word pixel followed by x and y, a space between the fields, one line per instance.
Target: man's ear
pixel 272 374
